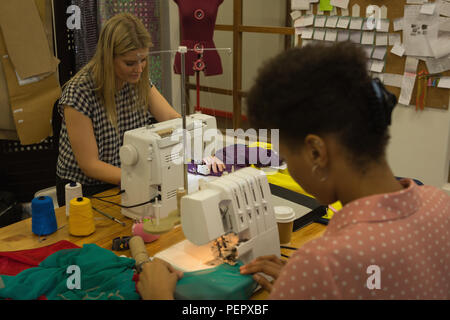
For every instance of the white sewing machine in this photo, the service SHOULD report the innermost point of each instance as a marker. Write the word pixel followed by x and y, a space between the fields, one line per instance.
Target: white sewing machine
pixel 229 218
pixel 152 162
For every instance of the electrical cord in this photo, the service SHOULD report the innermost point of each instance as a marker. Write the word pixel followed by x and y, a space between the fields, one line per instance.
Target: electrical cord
pixel 122 206
pixel 290 248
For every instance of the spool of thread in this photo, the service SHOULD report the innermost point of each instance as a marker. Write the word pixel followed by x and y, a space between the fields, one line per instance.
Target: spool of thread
pixel 73 190
pixel 43 218
pixel 81 217
pixel 138 251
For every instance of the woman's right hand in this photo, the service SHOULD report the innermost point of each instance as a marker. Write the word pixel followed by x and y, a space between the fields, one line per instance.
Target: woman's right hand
pixel 269 265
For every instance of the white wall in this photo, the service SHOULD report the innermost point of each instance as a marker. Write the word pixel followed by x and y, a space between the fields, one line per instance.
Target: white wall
pixel 420 144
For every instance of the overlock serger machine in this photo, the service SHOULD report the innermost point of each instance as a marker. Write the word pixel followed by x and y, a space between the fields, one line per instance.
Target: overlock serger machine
pixel 230 218
pixel 153 159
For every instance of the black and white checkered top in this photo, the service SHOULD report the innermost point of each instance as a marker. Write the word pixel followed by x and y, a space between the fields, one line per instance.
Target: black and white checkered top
pixel 80 95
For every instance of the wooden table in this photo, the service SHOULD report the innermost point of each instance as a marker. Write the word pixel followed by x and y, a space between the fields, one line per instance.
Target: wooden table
pixel 18 236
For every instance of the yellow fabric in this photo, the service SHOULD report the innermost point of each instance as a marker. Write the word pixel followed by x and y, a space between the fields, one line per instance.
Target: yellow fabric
pixel 282 178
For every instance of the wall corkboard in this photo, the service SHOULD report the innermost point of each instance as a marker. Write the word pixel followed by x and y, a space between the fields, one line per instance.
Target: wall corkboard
pixel 436 97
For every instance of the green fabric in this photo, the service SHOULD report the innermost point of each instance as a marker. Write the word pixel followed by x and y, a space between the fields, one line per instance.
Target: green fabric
pixel 223 282
pixel 104 276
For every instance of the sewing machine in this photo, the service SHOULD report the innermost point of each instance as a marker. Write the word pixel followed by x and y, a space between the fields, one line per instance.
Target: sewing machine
pixel 152 163
pixel 230 218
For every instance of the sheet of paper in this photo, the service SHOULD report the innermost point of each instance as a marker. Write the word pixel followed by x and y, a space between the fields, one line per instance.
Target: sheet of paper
pixel 299 4
pixel 440 46
pixel 307 33
pixel 444 82
pixel 415 1
pixel 394 38
pixel 383 25
pixel 393 80
pixel 428 8
pixel 444 24
pixel 320 21
pixel 377 66
pixel 295 15
pixel 345 12
pixel 319 34
pixel 343 22
pixel 355 36
pixel 379 53
pixel 314 1
pixel 398 49
pixel 444 9
pixel 368 50
pixel 356 10
pixel 408 80
pixel 325 5
pixel 356 23
pixel 332 21
pixel 304 21
pixel 343 35
pixel 381 39
pixel 340 3
pixel 368 37
pixel 418 30
pixel 331 35
pixel 438 65
pixel 398 24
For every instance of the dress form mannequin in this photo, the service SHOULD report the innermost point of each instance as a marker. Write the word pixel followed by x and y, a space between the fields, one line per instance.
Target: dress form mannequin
pixel 197 21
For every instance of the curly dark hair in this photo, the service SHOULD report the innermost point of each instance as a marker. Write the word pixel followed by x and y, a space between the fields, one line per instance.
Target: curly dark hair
pixel 324 89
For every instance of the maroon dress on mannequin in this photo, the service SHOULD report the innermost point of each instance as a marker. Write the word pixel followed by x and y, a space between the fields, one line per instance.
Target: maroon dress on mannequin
pixel 197 21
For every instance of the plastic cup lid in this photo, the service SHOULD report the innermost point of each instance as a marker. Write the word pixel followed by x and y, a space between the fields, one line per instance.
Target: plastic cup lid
pixel 284 214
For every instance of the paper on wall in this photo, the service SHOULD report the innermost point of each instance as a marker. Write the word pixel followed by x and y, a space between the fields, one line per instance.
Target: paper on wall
pixel 295 15
pixel 408 81
pixel 394 38
pixel 444 24
pixel 418 30
pixel 340 3
pixel 381 39
pixel 444 82
pixel 356 23
pixel 444 9
pixel 379 53
pixel 330 35
pixel 332 21
pixel 307 33
pixel 398 49
pixel 343 22
pixel 440 46
pixel 383 25
pixel 343 35
pixel 393 80
pixel 304 21
pixel 300 5
pixel 368 37
pixel 415 1
pixel 355 36
pixel 377 66
pixel 438 65
pixel 319 34
pixel 428 8
pixel 398 24
pixel 320 21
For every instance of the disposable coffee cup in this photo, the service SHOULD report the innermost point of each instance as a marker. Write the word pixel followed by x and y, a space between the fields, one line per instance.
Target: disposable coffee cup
pixel 285 219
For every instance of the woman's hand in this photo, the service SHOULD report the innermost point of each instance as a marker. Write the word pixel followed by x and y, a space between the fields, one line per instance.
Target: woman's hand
pixel 269 265
pixel 215 164
pixel 157 280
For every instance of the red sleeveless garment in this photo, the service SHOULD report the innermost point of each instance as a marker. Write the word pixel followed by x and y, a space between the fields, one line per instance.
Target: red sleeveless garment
pixel 197 21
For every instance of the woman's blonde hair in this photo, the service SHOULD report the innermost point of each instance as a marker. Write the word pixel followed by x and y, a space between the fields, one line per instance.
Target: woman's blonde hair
pixel 120 34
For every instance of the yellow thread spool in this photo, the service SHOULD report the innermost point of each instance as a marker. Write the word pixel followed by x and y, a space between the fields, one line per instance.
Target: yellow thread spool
pixel 81 217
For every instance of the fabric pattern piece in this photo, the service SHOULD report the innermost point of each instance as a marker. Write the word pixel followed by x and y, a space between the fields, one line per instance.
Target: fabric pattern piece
pixel 81 96
pixel 103 276
pixel 405 234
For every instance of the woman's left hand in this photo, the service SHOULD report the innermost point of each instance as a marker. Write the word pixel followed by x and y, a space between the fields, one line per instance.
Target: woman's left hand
pixel 158 280
pixel 215 164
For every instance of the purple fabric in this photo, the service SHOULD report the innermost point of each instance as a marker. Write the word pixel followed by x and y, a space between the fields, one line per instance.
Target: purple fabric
pixel 241 156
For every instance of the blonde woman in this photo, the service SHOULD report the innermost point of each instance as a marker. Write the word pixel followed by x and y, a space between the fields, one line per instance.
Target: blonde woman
pixel 110 95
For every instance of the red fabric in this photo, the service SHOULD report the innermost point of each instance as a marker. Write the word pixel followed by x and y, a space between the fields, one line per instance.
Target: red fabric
pixel 198 31
pixel 14 262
